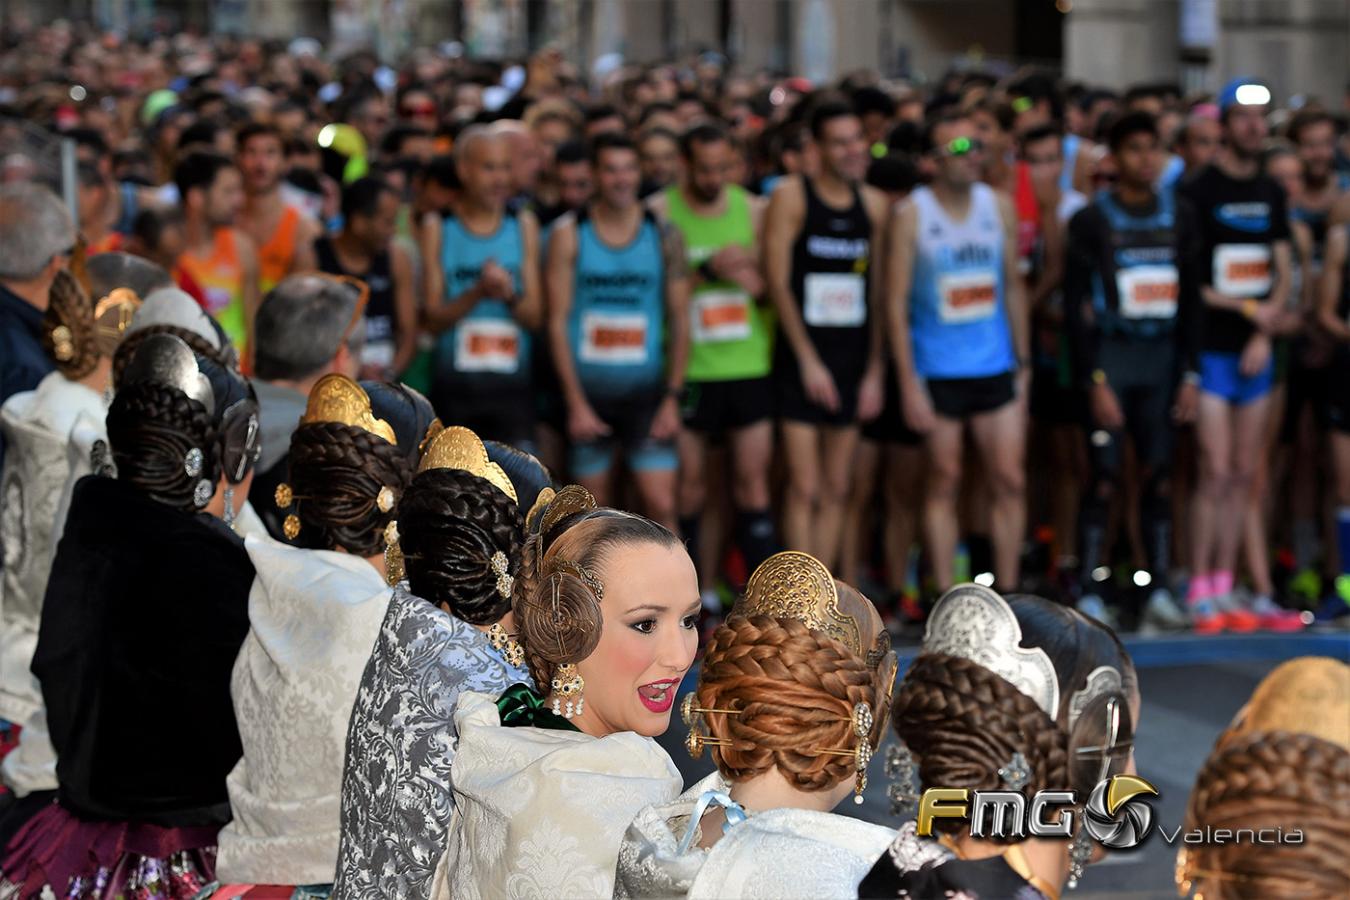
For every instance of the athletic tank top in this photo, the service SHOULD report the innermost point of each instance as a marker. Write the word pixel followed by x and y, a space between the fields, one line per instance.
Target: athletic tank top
pixel 1028 222
pixel 831 259
pixel 380 345
pixel 957 317
pixel 275 256
pixel 1135 286
pixel 486 349
pixel 221 279
pixel 1071 144
pixel 616 329
pixel 729 333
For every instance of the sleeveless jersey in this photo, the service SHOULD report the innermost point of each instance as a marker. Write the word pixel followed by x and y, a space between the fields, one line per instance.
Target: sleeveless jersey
pixel 486 350
pixel 957 315
pixel 831 259
pixel 729 334
pixel 380 345
pixel 1135 286
pixel 275 256
pixel 616 329
pixel 221 279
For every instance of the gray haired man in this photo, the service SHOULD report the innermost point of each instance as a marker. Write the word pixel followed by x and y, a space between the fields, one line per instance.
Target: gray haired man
pixel 306 327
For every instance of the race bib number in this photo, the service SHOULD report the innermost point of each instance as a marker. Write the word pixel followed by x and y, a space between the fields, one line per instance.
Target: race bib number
pixel 487 345
pixel 614 339
pixel 379 354
pixel 835 300
pixel 1148 292
pixel 1242 270
pixel 720 316
pixel 965 297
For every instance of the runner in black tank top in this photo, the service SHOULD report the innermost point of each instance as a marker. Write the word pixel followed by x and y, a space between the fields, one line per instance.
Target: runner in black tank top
pixel 829 370
pixel 830 281
pixel 379 308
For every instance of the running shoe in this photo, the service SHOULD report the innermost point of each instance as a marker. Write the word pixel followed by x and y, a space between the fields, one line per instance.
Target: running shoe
pixel 1274 617
pixel 1206 618
pixel 910 609
pixel 1236 617
pixel 1163 612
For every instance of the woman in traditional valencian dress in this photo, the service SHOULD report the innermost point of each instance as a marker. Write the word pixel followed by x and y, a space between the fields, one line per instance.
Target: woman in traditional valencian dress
pixel 791 702
pixel 1018 695
pixel 547 781
pixel 144 614
pixel 449 628
pixel 313 616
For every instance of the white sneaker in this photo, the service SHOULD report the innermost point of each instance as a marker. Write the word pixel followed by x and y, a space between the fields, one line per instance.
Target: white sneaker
pixel 1162 611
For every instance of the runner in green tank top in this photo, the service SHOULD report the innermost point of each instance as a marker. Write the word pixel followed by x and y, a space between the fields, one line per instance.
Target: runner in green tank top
pixel 728 391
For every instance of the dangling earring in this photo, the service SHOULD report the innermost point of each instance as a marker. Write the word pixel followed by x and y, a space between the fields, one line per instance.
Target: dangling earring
pixel 393 554
pixel 1080 854
pixel 568 683
pixel 229 507
pixel 503 643
pixel 861 721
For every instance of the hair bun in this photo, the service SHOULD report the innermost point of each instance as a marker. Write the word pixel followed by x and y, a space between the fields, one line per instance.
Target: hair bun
pixel 561 622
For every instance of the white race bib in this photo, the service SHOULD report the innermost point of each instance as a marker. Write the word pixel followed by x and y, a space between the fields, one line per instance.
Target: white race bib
pixel 378 353
pixel 1242 270
pixel 834 300
pixel 720 316
pixel 487 345
pixel 614 339
pixel 1148 292
pixel 965 297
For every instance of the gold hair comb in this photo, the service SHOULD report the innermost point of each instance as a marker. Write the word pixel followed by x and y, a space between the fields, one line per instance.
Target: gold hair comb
pixel 336 398
pixel 570 500
pixel 459 448
pixel 793 585
pixel 113 314
pixel 537 510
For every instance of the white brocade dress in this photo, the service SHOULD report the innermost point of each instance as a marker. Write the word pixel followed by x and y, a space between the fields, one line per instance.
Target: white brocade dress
pixel 43 458
pixel 313 618
pixel 781 854
pixel 540 813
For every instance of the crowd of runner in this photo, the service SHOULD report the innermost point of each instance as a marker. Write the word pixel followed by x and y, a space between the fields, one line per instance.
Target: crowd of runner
pixel 1012 329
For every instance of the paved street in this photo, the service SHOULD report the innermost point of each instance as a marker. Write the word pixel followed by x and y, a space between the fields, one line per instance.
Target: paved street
pixel 1191 688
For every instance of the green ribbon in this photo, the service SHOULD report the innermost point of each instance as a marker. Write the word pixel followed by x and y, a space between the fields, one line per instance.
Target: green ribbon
pixel 519 705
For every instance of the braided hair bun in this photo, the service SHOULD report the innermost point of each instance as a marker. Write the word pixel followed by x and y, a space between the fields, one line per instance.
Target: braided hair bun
pixel 963 722
pixel 795 690
pixel 69 332
pixel 451 523
pixel 1272 780
pixel 561 582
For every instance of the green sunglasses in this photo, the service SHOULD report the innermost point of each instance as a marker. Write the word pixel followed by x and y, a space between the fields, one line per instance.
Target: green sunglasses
pixel 961 146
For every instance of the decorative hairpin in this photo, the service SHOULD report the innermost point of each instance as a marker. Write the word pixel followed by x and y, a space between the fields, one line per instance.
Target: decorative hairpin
pixel 579 572
pixel 101 461
pixel 336 398
pixel 505 643
pixel 541 503
pixel 903 771
pixel 1016 773
pixel 285 497
pixel 393 554
pixel 861 721
pixel 112 317
pixel 63 344
pixel 569 501
pixel 795 585
pixel 1101 681
pixel 457 447
pixel 505 582
pixel 976 624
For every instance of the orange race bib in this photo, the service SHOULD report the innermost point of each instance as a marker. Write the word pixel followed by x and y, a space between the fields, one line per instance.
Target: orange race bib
pixel 967 296
pixel 720 316
pixel 487 345
pixel 1148 292
pixel 613 339
pixel 1242 270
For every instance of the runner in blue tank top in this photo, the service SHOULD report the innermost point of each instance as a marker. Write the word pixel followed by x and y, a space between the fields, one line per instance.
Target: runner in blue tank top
pixel 483 299
pixel 617 298
pixel 958 331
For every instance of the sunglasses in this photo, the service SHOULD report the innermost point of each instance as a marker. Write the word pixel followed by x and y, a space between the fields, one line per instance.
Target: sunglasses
pixel 420 109
pixel 961 146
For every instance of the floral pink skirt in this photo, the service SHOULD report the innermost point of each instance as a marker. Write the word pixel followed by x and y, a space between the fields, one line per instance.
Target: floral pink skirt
pixel 79 860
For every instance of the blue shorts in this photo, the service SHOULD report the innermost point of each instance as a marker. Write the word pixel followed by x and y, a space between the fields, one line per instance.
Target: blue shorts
pixel 1219 375
pixel 630 421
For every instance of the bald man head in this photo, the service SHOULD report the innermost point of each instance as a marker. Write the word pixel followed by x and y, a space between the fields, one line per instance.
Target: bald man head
pixel 483 158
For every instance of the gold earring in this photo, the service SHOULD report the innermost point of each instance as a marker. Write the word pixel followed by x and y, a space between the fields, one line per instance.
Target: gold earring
pixel 393 555
pixel 510 649
pixel 568 683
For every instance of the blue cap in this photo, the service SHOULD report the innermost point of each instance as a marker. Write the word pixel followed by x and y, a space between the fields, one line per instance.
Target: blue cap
pixel 1245 91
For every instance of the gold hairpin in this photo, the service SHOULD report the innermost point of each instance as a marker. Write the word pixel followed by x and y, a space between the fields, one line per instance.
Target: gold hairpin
pixel 119 306
pixel 579 572
pixel 285 497
pixel 393 555
pixel 336 398
pixel 540 504
pixel 570 500
pixel 459 448
pixel 793 585
pixel 697 740
pixel 689 712
pixel 63 344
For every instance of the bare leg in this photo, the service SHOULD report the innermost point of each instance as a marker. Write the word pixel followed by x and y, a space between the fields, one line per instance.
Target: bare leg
pixel 854 542
pixel 941 525
pixel 1248 449
pixel 904 478
pixel 1254 536
pixel 801 449
pixel 752 452
pixel 837 452
pixel 656 494
pixel 1214 443
pixel 1001 437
